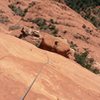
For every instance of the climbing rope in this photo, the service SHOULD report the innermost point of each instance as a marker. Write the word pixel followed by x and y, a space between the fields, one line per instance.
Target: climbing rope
pixel 34 80
pixel 38 74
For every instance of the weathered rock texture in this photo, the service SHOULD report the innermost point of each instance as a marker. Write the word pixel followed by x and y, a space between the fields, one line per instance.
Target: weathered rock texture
pixel 70 24
pixel 60 79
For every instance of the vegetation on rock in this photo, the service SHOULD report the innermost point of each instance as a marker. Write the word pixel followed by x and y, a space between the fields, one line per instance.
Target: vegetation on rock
pixel 89 9
pixel 83 59
pixel 17 10
pixel 45 25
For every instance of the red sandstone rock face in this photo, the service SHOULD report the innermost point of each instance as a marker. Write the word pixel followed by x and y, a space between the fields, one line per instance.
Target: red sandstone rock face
pixel 45 41
pixel 68 21
pixel 60 78
pixel 55 44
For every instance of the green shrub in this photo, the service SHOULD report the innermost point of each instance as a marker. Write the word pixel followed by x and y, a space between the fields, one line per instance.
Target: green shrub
pixel 89 9
pixel 95 70
pixel 54 32
pixel 17 10
pixel 52 27
pixel 39 21
pixel 86 62
pixel 83 59
pixel 42 23
pixel 14 27
pixel 73 45
pixel 4 19
pixel 43 27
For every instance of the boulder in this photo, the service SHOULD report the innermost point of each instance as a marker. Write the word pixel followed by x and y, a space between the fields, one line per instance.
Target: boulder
pixel 55 44
pixel 31 35
pixel 46 41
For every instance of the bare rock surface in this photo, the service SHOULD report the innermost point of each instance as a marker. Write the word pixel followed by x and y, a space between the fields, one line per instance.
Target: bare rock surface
pixel 60 79
pixel 69 23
